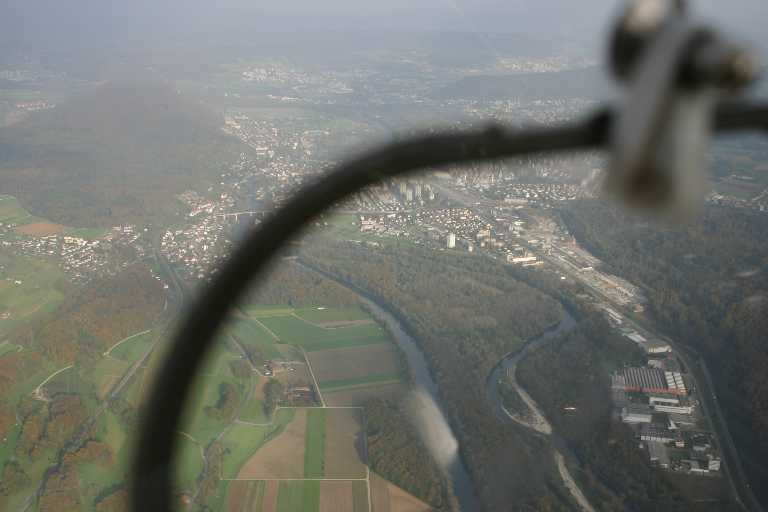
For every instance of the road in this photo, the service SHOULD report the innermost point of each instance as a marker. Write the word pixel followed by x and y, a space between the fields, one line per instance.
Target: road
pixel 38 393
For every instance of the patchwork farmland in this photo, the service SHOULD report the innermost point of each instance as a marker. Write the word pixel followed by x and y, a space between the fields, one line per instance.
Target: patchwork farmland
pixel 296 436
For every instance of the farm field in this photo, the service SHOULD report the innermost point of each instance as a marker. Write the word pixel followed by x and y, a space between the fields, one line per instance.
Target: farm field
pixel 28 287
pixel 24 223
pixel 344 444
pixel 386 497
pixel 11 212
pixel 358 396
pixel 298 496
pixel 282 456
pixel 298 458
pixel 294 330
pixel 315 443
pixel 354 362
pixel 314 452
pixel 333 317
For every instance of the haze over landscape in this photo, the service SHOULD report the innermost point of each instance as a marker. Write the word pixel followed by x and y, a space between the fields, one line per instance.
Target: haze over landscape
pixel 478 337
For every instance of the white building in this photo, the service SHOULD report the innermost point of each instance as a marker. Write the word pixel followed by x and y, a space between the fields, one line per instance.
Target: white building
pixel 636 413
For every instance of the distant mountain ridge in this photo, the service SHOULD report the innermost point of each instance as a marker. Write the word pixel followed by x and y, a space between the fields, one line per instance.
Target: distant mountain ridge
pixel 115 155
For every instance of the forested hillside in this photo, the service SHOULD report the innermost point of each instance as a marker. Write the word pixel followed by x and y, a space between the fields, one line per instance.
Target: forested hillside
pixel 96 316
pixel 707 282
pixel 467 313
pixel 116 154
pixel 573 371
pixel 395 450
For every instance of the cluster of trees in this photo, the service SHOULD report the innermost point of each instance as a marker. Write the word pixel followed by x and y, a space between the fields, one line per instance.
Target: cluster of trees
pixel 62 491
pixel 94 317
pixel 227 403
pixel 707 287
pixel 113 155
pixel 292 285
pixel 13 478
pixel 13 365
pixel 396 451
pixel 573 370
pixel 273 391
pixel 466 313
pixel 89 320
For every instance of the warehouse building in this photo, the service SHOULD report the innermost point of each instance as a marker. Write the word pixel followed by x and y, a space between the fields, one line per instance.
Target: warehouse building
pixel 649 380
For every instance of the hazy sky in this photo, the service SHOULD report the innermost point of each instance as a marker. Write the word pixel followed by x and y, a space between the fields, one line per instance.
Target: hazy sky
pixel 93 23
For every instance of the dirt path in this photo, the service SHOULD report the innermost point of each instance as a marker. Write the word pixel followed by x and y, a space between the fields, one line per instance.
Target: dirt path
pixel 570 483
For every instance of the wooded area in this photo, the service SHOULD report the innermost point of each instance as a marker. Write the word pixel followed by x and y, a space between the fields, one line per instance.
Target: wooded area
pixel 116 154
pixel 707 283
pixel 467 313
pixel 574 371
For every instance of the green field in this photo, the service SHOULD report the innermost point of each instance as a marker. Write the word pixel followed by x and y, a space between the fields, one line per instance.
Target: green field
pixel 96 476
pixel 242 441
pixel 252 335
pixel 359 496
pixel 314 453
pixel 254 412
pixel 6 346
pixel 294 330
pixel 28 288
pixel 11 212
pixel 189 462
pixel 133 347
pixel 317 316
pixel 265 311
pixel 298 496
pixel 360 382
pixel 206 391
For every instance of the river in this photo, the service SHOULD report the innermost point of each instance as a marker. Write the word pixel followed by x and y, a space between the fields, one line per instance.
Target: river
pixel 509 364
pixel 430 419
pixel 536 420
pixel 424 401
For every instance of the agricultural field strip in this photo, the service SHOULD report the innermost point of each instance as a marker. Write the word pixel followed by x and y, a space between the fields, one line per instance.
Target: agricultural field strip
pixel 312 373
pixel 323 405
pixel 261 324
pixel 370 380
pixel 367 478
pixel 125 339
pixel 314 451
pixel 334 324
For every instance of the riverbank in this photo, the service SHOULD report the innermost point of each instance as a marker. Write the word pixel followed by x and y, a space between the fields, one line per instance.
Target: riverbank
pixel 424 400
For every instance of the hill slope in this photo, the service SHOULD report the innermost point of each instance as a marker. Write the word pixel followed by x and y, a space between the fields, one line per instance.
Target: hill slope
pixel 114 155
